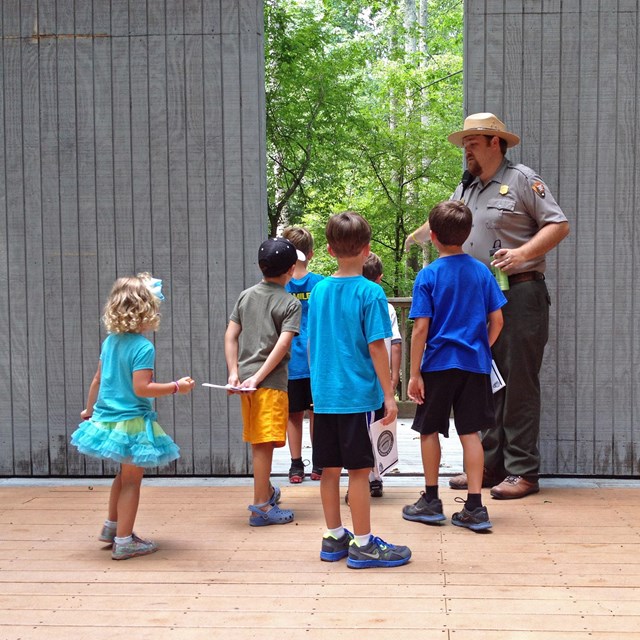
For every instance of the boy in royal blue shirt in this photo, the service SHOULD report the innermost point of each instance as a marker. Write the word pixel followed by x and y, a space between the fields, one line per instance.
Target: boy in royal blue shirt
pixel 348 322
pixel 300 400
pixel 457 315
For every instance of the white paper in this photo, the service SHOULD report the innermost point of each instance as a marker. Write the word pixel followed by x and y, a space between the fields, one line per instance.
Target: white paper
pixel 497 381
pixel 228 387
pixel 385 446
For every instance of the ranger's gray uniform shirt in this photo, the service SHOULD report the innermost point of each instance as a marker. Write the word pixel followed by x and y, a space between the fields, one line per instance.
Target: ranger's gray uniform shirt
pixel 511 208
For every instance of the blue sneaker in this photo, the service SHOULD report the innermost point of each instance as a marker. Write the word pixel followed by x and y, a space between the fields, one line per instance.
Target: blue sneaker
pixel 334 549
pixel 426 511
pixel 377 553
pixel 476 520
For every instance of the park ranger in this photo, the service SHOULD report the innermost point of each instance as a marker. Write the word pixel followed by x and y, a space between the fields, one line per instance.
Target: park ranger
pixel 516 222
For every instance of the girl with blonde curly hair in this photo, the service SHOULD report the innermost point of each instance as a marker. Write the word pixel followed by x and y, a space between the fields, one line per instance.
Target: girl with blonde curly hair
pixel 119 422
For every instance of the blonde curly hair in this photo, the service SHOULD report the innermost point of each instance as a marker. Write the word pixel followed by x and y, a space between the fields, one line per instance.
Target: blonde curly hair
pixel 131 306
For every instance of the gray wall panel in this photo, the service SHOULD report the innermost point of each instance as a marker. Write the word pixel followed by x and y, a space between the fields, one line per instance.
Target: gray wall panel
pixel 564 75
pixel 131 139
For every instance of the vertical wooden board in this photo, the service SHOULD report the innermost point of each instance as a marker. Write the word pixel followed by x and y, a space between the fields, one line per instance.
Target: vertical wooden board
pixel 217 251
pixel 161 220
pixel 211 17
pixel 34 318
pixel 119 18
pixel 229 17
pixel 625 376
pixel 250 18
pixel 605 239
pixel 175 18
pixel 156 16
pixel 87 219
pixel 566 301
pixel 241 256
pixel 6 422
pixel 138 16
pixel 83 20
pixel 198 249
pixel 123 200
pixel 493 60
pixel 546 137
pixel 15 202
pixel 140 155
pixel 69 234
pixel 193 17
pixel 474 58
pixel 104 170
pixel 512 79
pixel 53 360
pixel 179 212
pixel 585 243
pixel 634 405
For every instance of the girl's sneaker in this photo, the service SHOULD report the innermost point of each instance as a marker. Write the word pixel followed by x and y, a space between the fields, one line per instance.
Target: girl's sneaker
pixel 107 534
pixel 137 547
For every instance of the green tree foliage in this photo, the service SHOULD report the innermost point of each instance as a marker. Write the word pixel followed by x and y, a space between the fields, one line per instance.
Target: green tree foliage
pixel 360 100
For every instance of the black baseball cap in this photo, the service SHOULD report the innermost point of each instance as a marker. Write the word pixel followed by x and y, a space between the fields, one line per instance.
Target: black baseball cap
pixel 276 256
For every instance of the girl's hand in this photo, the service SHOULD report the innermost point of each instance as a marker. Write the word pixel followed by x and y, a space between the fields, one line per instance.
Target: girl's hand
pixel 85 414
pixel 185 384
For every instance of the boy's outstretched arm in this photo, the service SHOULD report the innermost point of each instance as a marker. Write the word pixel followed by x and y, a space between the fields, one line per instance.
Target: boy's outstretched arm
pixel 415 389
pixel 231 351
pixel 380 357
pixel 277 353
pixel 495 323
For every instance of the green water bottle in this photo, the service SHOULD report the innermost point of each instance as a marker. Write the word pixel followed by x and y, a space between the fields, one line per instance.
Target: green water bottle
pixel 501 277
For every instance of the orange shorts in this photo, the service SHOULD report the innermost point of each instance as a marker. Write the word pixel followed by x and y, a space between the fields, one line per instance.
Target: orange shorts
pixel 265 413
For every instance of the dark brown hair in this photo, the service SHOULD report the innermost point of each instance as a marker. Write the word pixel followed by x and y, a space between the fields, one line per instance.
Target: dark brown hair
pixel 300 238
pixel 372 268
pixel 451 221
pixel 347 234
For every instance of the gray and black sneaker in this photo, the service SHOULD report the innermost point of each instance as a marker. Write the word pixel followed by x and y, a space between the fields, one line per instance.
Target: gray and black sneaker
pixel 376 488
pixel 334 549
pixel 476 520
pixel 377 553
pixel 427 511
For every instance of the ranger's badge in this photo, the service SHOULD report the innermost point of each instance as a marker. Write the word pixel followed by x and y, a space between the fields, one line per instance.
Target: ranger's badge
pixel 504 189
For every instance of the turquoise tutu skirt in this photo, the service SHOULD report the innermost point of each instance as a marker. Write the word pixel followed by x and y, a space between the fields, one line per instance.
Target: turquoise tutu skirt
pixel 140 442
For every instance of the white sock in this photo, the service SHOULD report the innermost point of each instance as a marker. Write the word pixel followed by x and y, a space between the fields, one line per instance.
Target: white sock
pixel 335 533
pixel 125 540
pixel 110 524
pixel 362 541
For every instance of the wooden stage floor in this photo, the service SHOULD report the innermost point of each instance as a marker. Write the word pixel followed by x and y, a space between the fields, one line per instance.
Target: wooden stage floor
pixel 563 564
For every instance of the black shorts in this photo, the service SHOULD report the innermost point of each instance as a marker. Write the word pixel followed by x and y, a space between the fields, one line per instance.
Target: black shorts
pixel 342 440
pixel 300 395
pixel 468 394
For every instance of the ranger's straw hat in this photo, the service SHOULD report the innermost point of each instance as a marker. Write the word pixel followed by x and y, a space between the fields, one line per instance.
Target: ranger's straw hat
pixel 484 124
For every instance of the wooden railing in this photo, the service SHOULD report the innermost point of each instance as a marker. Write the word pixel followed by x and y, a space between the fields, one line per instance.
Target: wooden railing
pixel 406 408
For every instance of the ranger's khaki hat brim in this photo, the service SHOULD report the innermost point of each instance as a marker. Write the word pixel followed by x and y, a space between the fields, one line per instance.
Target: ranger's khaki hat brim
pixel 483 124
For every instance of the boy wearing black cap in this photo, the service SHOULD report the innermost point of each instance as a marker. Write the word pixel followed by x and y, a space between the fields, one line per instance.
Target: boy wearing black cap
pixel 261 327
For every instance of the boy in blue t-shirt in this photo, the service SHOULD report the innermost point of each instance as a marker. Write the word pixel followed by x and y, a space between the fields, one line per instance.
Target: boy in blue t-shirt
pixel 347 324
pixel 300 400
pixel 457 314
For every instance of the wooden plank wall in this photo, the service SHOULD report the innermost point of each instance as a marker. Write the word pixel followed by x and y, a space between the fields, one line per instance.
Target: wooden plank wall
pixel 131 139
pixel 565 76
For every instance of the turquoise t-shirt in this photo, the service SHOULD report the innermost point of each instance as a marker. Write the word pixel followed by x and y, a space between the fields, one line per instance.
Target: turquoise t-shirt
pixel 121 355
pixel 345 315
pixel 458 293
pixel 301 289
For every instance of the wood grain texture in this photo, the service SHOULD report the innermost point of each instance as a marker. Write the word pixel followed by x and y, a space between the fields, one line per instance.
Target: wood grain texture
pixel 536 576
